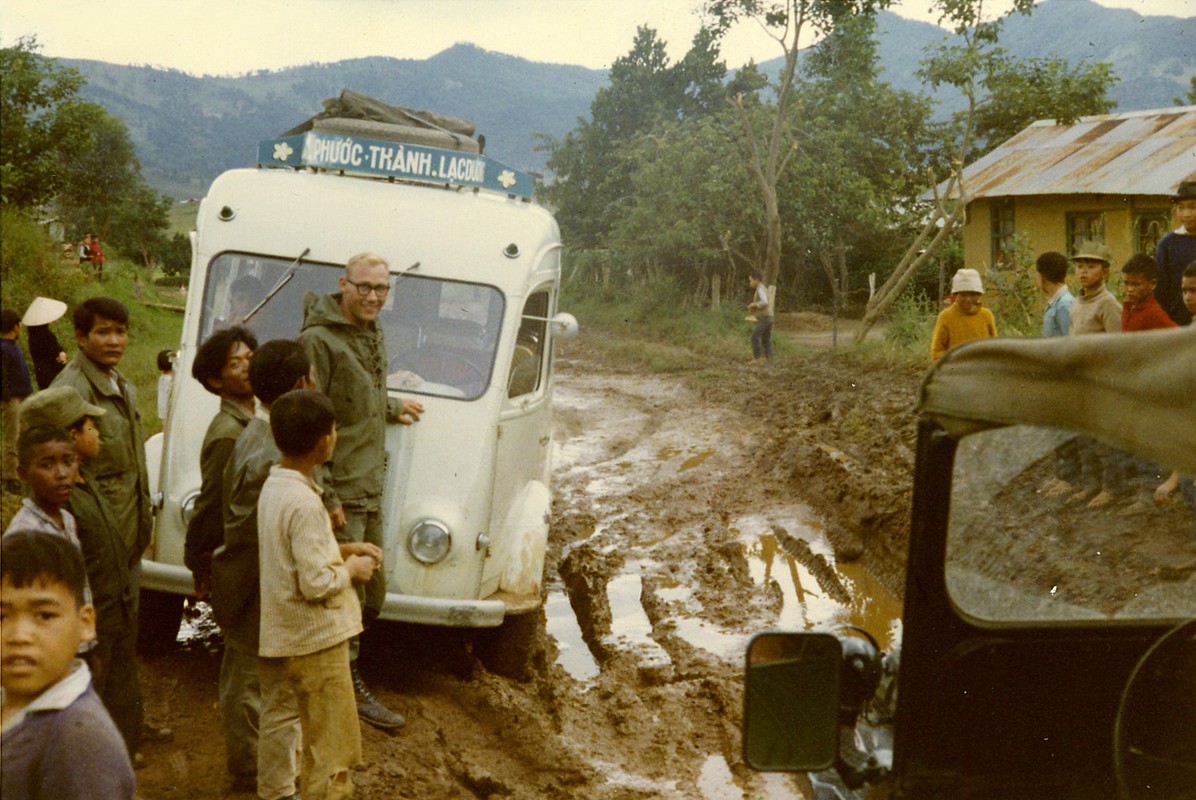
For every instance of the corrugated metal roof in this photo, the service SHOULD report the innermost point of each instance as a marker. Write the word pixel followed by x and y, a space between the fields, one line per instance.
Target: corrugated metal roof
pixel 1135 153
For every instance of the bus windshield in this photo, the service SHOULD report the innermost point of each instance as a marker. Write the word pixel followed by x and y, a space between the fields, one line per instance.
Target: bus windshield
pixel 441 336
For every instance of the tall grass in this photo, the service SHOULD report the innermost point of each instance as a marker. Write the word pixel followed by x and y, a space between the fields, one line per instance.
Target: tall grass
pixel 658 324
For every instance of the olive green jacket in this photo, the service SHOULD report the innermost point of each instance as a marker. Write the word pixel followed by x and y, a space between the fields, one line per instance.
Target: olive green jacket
pixel 119 469
pixel 205 531
pixel 235 576
pixel 350 366
pixel 106 557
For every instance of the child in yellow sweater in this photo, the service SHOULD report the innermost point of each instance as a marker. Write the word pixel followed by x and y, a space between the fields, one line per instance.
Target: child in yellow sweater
pixel 966 318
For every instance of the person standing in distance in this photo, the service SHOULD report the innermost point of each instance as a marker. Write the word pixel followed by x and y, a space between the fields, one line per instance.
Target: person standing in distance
pixel 348 354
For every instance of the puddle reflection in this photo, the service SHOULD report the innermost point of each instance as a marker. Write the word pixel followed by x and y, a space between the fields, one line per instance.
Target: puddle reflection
pixel 572 652
pixel 806 605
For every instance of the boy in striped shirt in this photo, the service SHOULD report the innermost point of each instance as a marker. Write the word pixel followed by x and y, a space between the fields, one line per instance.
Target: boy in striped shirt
pixel 310 610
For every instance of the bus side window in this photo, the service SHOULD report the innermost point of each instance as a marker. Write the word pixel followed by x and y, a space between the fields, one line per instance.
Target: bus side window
pixel 524 375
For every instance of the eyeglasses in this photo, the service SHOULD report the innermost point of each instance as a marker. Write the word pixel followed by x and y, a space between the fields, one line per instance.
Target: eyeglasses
pixel 364 289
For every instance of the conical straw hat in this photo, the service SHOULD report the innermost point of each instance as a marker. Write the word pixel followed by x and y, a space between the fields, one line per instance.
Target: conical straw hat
pixel 43 311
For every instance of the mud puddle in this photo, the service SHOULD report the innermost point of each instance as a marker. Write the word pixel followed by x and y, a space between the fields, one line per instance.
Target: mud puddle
pixel 668 569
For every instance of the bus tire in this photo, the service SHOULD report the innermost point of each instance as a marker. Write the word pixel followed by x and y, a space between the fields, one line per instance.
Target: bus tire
pixel 513 649
pixel 158 622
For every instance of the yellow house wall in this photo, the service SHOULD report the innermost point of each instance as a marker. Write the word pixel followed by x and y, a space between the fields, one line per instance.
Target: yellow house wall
pixel 1042 221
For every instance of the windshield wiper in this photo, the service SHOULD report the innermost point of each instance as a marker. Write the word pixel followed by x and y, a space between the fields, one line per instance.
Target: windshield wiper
pixel 283 281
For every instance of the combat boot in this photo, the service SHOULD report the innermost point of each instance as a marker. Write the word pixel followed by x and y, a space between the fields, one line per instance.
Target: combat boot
pixel 370 709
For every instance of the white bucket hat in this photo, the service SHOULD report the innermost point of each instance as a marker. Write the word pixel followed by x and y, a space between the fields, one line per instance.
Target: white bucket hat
pixel 43 311
pixel 966 280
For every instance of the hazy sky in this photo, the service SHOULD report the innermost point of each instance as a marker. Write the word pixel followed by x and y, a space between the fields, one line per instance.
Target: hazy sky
pixel 228 37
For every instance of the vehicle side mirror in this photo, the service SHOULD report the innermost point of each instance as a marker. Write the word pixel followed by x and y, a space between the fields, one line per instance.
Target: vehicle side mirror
pixel 791 702
pixel 564 325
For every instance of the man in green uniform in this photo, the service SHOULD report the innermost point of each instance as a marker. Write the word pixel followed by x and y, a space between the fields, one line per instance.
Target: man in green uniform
pixel 348 353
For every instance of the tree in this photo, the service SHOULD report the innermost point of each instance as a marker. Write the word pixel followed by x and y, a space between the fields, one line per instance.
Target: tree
pixel 100 178
pixel 685 213
pixel 45 124
pixel 1022 92
pixel 770 150
pixel 139 222
pixel 590 191
pixel 863 147
pixel 963 64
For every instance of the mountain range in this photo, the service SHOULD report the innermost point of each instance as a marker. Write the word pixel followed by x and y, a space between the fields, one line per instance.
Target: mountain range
pixel 187 129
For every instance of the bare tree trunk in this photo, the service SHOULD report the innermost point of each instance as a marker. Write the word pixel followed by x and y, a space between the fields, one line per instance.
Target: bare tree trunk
pixel 949 207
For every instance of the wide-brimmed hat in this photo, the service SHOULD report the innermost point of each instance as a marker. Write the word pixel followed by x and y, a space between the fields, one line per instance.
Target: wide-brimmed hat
pixel 1093 251
pixel 43 311
pixel 1186 191
pixel 58 407
pixel 966 280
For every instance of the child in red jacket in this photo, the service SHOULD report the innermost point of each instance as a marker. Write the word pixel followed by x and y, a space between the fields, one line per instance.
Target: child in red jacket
pixel 1142 311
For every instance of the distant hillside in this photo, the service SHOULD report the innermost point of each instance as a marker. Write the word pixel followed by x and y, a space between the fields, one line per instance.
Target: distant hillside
pixel 189 129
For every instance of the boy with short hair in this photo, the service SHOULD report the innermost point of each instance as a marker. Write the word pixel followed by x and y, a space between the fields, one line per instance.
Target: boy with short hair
pixel 56 739
pixel 310 610
pixel 1188 290
pixel 15 386
pixel 259 743
pixel 1095 309
pixel 113 660
pixel 965 319
pixel 1051 277
pixel 48 466
pixel 1142 311
pixel 1175 251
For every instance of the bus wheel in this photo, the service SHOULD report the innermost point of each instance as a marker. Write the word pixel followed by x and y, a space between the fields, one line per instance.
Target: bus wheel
pixel 159 618
pixel 513 649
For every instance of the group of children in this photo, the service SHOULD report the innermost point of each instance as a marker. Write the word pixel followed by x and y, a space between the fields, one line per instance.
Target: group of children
pixel 1087 470
pixel 282 589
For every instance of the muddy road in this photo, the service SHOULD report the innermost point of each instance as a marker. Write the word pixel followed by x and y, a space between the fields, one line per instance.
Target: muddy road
pixel 692 511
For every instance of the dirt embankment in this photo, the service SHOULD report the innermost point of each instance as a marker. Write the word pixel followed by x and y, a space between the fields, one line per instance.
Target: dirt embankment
pixel 665 485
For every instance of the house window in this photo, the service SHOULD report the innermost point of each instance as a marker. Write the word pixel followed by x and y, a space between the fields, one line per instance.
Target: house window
pixel 1084 225
pixel 1149 229
pixel 1001 235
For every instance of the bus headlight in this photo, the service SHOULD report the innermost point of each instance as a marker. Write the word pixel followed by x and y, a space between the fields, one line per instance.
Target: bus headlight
pixel 430 541
pixel 187 507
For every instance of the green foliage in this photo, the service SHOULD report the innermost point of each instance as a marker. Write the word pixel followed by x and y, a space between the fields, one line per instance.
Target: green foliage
pixel 1012 294
pixel 58 147
pixel 656 312
pixel 97 176
pixel 911 322
pixel 1190 98
pixel 140 220
pixel 176 257
pixel 1020 92
pixel 45 124
pixel 32 265
pixel 645 90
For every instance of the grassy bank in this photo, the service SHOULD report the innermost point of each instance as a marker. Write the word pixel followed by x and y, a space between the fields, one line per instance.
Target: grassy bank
pixel 32 267
pixel 657 327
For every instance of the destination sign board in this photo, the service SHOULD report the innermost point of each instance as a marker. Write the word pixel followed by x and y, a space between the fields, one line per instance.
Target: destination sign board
pixel 383 159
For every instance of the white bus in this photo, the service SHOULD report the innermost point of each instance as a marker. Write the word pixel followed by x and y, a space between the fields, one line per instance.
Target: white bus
pixel 469 325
